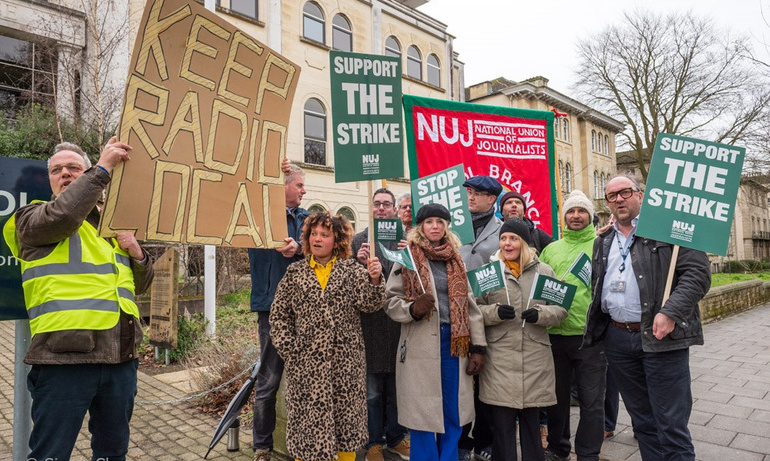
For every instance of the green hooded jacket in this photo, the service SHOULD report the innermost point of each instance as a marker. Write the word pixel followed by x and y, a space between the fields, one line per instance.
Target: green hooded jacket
pixel 560 255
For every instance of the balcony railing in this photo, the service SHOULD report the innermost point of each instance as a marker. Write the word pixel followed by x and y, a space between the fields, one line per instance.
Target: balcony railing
pixel 759 235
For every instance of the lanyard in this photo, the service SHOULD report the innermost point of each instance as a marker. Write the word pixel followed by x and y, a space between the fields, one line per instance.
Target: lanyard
pixel 624 251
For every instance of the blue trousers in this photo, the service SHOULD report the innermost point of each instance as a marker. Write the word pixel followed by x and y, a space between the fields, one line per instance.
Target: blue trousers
pixel 611 404
pixel 266 386
pixel 61 396
pixel 656 391
pixel 429 446
pixel 382 409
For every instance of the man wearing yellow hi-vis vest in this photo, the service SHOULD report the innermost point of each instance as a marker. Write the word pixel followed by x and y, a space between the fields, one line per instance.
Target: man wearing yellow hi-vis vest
pixel 79 291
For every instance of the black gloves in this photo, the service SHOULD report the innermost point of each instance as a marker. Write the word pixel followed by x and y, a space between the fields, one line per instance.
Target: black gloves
pixel 506 312
pixel 530 315
pixel 475 364
pixel 422 306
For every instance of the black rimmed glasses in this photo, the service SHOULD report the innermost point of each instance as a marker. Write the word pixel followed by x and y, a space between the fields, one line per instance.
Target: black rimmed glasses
pixel 625 193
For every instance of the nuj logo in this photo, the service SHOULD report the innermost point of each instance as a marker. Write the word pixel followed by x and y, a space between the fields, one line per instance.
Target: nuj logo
pixel 551 285
pixel 387 225
pixel 484 273
pixel 368 159
pixel 682 226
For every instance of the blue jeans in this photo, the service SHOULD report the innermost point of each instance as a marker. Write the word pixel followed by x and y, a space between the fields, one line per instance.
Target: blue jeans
pixel 611 404
pixel 61 396
pixel 656 391
pixel 268 381
pixel 429 446
pixel 383 410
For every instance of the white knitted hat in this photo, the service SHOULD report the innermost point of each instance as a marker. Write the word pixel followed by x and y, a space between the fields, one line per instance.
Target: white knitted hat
pixel 577 198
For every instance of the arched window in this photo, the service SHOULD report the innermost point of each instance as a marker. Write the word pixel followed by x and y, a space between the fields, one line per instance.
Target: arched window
pixel 599 143
pixel 315 132
pixel 603 183
pixel 342 34
pixel 561 175
pixel 392 47
pixel 348 214
pixel 565 128
pixel 593 140
pixel 245 7
pixel 556 131
pixel 434 70
pixel 316 208
pixel 606 145
pixel 596 184
pixel 568 177
pixel 414 63
pixel 313 23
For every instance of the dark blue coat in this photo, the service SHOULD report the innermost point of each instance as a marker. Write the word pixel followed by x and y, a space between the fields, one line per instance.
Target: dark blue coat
pixel 268 265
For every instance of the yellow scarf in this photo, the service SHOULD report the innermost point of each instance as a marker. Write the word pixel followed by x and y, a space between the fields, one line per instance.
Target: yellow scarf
pixel 513 266
pixel 322 272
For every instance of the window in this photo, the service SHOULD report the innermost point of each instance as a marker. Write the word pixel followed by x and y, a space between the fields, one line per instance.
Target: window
pixel 434 70
pixel 603 183
pixel 593 140
pixel 245 7
pixel 315 132
pixel 561 175
pixel 316 208
pixel 313 23
pixel 565 127
pixel 414 63
pixel 342 34
pixel 606 145
pixel 599 143
pixel 596 185
pixel 556 131
pixel 568 177
pixel 27 74
pixel 348 214
pixel 392 47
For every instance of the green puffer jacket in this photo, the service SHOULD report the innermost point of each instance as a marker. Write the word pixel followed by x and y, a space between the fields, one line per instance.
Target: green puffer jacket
pixel 560 255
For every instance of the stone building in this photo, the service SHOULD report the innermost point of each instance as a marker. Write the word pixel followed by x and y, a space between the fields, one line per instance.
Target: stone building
pixel 585 137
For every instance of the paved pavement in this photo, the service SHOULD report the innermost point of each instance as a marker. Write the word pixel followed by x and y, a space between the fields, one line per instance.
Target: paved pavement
pixel 730 420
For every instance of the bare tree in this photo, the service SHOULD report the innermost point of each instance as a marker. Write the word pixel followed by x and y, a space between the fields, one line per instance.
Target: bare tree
pixel 676 74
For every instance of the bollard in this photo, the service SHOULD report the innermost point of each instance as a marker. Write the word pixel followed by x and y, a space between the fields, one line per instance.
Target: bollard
pixel 232 436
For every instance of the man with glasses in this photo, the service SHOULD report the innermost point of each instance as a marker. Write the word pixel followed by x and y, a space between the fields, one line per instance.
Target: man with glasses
pixel 405 211
pixel 381 341
pixel 482 195
pixel 647 340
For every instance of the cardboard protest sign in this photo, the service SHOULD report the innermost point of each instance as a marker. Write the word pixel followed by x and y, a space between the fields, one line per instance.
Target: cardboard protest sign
pixel 403 257
pixel 486 278
pixel 691 192
pixel 446 187
pixel 581 268
pixel 206 111
pixel 388 230
pixel 366 116
pixel 21 182
pixel 553 291
pixel 514 146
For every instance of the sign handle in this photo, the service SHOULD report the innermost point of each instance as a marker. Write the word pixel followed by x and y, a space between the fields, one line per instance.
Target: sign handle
pixel 416 269
pixel 505 285
pixel 670 279
pixel 371 217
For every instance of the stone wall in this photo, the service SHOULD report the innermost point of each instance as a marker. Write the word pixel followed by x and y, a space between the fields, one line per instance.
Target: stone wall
pixel 730 299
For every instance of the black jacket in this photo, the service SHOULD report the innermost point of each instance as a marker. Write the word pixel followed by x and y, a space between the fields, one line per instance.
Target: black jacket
pixel 651 260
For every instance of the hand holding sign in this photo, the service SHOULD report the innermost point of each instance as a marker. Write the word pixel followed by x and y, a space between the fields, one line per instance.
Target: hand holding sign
pixel 375 270
pixel 114 153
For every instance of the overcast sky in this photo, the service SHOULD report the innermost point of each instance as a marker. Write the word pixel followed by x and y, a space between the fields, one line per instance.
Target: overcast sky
pixel 519 39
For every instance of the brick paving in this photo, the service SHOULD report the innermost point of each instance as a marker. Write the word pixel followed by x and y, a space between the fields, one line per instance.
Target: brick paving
pixel 730 420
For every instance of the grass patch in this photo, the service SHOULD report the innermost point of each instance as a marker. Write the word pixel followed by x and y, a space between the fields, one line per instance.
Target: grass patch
pixel 718 280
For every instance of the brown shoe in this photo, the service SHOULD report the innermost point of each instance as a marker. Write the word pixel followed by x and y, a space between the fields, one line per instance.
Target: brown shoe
pixel 544 436
pixel 401 449
pixel 609 434
pixel 262 454
pixel 375 453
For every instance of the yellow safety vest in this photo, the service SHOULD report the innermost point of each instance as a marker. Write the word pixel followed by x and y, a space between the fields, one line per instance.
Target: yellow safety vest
pixel 82 285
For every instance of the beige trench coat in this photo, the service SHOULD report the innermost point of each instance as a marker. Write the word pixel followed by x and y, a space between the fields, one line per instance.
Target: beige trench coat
pixel 418 375
pixel 519 371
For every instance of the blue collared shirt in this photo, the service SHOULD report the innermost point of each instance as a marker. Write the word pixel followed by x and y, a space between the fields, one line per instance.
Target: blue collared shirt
pixel 623 306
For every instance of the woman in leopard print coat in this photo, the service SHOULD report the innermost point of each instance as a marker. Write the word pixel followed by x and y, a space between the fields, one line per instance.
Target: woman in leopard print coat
pixel 316 328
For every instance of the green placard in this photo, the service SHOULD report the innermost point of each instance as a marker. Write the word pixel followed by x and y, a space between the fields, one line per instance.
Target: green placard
pixel 486 278
pixel 581 268
pixel 691 192
pixel 553 291
pixel 446 188
pixel 403 257
pixel 366 116
pixel 388 230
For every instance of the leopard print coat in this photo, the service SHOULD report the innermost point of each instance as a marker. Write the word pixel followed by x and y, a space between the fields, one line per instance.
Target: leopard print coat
pixel 318 334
